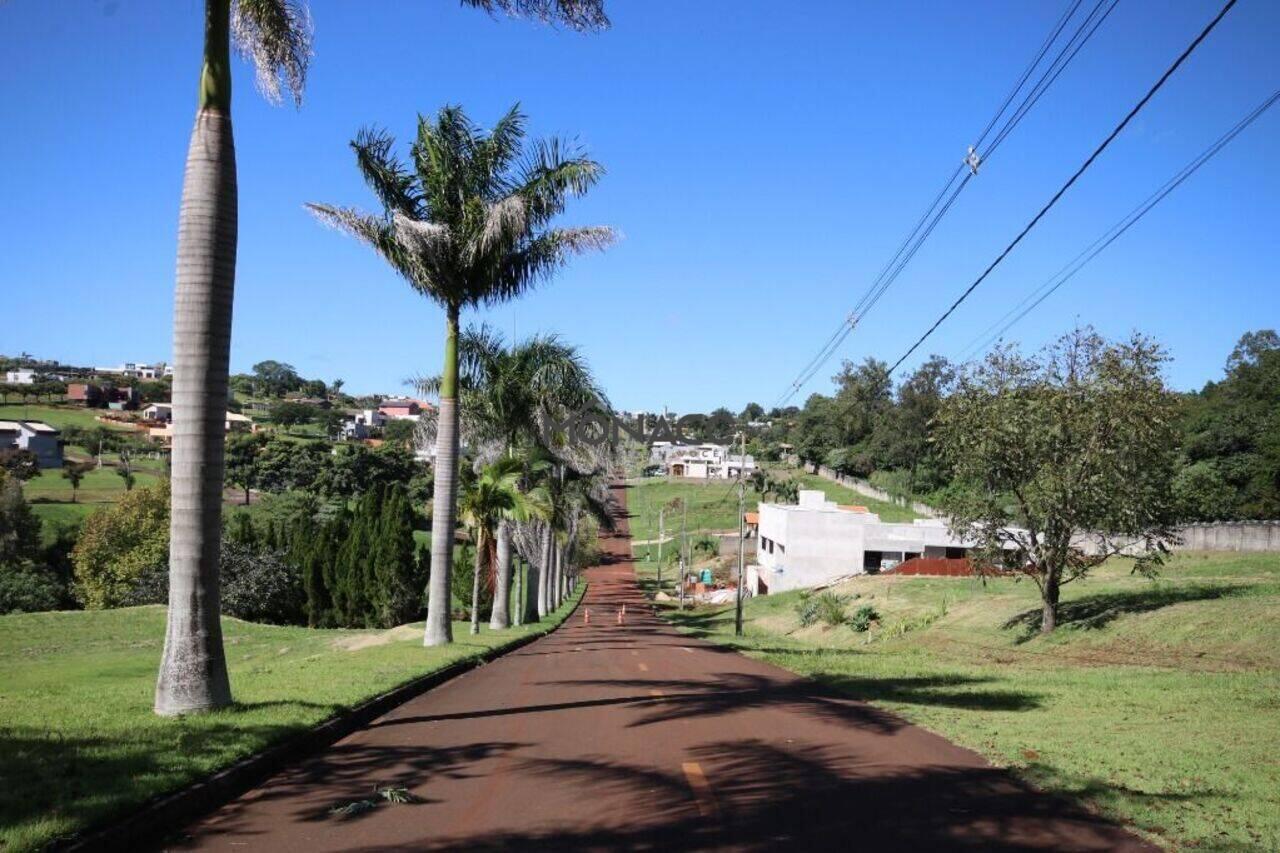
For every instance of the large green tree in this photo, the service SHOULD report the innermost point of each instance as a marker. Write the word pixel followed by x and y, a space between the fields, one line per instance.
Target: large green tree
pixel 1067 456
pixel 467 224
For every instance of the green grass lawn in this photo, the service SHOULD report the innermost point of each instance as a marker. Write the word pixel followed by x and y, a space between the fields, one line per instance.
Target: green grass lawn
pixel 78 740
pixel 50 493
pixel 1157 702
pixel 55 416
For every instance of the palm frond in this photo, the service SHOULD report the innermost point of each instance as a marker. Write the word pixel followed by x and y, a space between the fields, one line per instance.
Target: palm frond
pixel 276 36
pixel 536 261
pixel 581 15
pixel 551 174
pixel 390 181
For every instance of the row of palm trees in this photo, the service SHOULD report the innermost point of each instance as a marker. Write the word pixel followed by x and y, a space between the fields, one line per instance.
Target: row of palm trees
pixel 468 225
pixel 530 494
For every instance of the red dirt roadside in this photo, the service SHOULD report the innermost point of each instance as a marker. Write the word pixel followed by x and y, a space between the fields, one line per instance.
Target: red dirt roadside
pixel 607 737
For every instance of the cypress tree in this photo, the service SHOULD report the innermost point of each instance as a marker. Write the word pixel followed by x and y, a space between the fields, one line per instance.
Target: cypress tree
pixel 395 561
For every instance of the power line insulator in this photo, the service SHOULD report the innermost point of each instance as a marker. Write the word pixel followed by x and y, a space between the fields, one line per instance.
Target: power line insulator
pixel 972 160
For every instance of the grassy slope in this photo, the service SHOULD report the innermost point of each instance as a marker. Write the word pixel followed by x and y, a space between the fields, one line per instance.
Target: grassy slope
pixel 55 416
pixel 78 741
pixel 844 495
pixel 1156 702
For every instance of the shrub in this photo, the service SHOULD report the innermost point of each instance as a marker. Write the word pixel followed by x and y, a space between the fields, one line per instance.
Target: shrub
pixel 27 589
pixel 831 609
pixel 119 543
pixel 707 544
pixel 826 607
pixel 257 585
pixel 863 617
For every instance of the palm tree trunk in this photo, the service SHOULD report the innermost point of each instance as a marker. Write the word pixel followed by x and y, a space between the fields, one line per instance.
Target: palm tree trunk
pixel 502 592
pixel 517 610
pixel 444 505
pixel 481 550
pixel 193 668
pixel 545 571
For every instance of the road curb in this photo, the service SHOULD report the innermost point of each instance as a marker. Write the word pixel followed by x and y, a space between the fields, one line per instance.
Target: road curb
pixel 152 822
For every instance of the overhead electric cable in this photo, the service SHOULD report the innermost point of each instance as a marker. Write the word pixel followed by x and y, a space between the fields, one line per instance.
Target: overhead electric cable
pixel 932 215
pixel 1070 181
pixel 1062 276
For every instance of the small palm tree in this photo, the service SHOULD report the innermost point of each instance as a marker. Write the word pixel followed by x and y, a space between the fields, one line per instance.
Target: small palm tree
pixel 469 225
pixel 73 474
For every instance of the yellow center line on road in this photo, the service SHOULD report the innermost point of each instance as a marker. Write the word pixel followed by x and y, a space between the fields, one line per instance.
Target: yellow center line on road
pixel 702 795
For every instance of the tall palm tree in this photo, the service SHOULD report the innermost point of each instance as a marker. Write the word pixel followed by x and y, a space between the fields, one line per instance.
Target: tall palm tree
pixel 469 225
pixel 504 392
pixel 276 35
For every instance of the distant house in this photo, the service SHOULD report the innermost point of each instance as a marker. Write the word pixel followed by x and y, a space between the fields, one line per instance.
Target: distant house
pixel 121 399
pixel 37 437
pixel 234 423
pixel 361 425
pixel 707 462
pixel 138 370
pixel 404 409
pixel 20 377
pixel 162 412
pixel 85 393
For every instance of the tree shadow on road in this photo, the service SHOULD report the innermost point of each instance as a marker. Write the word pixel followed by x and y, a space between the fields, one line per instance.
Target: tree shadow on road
pixel 763 796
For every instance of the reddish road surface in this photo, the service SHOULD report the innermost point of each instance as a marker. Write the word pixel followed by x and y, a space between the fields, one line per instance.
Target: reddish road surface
pixel 606 737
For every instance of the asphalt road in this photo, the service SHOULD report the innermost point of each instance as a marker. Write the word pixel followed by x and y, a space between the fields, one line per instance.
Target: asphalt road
pixel 604 737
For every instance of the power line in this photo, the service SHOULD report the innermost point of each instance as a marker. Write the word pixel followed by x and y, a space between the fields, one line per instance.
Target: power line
pixel 1041 293
pixel 932 215
pixel 1070 181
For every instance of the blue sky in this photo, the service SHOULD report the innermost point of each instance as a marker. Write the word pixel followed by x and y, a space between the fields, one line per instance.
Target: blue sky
pixel 764 161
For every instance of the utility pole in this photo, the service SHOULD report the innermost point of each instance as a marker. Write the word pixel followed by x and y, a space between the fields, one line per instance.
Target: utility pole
pixel 684 541
pixel 742 520
pixel 661 534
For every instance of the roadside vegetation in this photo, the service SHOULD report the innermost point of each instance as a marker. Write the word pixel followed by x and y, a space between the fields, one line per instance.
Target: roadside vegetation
pixel 1155 700
pixel 79 743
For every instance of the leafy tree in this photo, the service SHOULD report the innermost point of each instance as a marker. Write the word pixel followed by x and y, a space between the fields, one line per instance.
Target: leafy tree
pixel 752 412
pixel 398 586
pixel 1077 440
pixel 118 543
pixel 243 450
pixel 399 432
pixel 20 464
pixel 469 224
pixel 275 378
pixel 281 466
pixel 287 413
pixel 19 526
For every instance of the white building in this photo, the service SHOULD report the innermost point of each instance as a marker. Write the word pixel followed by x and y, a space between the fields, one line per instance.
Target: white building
pixel 162 412
pixel 362 423
pixel 138 370
pixel 818 541
pixel 706 462
pixel 39 438
pixel 20 377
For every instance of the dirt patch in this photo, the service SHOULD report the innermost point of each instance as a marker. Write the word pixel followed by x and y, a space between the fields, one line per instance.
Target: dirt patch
pixel 356 642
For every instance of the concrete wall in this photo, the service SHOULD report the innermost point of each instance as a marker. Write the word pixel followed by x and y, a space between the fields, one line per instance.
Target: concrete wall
pixel 1231 536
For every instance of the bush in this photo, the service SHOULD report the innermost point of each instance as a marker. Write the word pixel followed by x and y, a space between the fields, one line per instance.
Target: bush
pixel 27 589
pixel 863 617
pixel 257 584
pixel 707 544
pixel 119 543
pixel 826 607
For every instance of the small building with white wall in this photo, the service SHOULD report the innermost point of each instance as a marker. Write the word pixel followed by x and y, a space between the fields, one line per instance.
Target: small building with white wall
pixel 21 376
pixel 707 462
pixel 817 541
pixel 39 438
